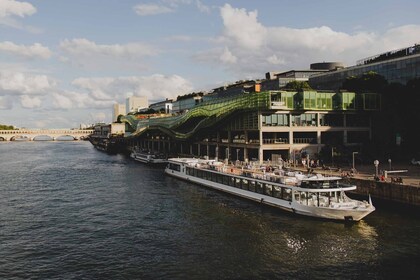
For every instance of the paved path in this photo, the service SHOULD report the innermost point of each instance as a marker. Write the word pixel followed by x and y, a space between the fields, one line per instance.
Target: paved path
pixel 411 177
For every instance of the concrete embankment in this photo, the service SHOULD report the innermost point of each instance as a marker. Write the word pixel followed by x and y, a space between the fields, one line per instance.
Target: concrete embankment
pixel 406 194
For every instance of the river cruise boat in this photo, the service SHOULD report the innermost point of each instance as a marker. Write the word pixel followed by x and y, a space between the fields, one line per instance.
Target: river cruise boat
pixel 311 195
pixel 148 157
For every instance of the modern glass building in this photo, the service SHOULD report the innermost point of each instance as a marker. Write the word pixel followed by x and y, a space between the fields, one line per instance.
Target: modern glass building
pixel 398 66
pixel 262 126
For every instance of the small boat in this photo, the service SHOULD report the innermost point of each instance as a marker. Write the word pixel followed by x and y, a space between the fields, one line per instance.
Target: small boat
pixel 313 195
pixel 148 157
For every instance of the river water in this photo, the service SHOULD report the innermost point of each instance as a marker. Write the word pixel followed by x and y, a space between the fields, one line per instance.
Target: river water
pixel 68 211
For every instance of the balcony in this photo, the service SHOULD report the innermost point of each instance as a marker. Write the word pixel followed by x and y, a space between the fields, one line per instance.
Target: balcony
pixel 304 141
pixel 275 141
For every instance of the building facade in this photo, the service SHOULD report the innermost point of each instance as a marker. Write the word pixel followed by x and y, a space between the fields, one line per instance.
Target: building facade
pixel 398 66
pixel 278 80
pixel 260 125
pixel 136 103
pixel 118 109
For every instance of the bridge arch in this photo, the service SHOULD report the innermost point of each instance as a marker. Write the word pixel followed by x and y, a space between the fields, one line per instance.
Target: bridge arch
pixel 43 138
pixel 66 137
pixel 3 139
pixel 20 138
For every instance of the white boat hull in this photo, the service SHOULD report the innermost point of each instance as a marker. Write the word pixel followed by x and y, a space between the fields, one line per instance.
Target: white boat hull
pixel 295 207
pixel 145 158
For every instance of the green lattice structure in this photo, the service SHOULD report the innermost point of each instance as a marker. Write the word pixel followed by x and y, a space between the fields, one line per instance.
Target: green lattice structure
pixel 207 114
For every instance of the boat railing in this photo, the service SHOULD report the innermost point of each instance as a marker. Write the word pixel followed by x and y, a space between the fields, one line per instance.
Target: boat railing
pixel 250 173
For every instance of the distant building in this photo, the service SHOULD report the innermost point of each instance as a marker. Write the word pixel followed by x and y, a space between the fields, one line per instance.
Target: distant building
pixel 397 66
pixel 187 102
pixel 136 103
pixel 239 87
pixel 278 80
pixel 118 109
pixel 162 106
pixel 107 130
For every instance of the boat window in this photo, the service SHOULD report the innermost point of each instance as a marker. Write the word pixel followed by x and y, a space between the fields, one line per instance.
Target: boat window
pixel 268 190
pixel 238 182
pixel 252 186
pixel 174 166
pixel 225 180
pixel 324 199
pixel 277 191
pixel 206 175
pixel 213 176
pixel 260 188
pixel 189 171
pixel 305 185
pixel 219 178
pixel 231 181
pixel 312 199
pixel 287 194
pixel 297 196
pixel 244 184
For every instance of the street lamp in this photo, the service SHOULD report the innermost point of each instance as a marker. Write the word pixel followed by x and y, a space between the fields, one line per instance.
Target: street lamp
pixel 376 163
pixel 390 167
pixel 332 156
pixel 237 154
pixel 354 153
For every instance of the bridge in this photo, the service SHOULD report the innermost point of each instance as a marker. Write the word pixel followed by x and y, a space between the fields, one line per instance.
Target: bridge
pixel 44 134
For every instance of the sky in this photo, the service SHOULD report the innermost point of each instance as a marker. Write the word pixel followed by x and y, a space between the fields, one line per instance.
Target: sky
pixel 64 63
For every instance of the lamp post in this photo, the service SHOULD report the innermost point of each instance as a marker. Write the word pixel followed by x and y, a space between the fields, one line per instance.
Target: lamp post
pixel 237 154
pixel 332 156
pixel 227 154
pixel 389 161
pixel 354 153
pixel 376 163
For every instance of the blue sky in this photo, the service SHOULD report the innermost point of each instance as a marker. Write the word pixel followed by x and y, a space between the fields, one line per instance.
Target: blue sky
pixel 65 63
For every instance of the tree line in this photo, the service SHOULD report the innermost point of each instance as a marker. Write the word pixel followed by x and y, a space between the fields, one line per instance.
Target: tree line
pixel 6 127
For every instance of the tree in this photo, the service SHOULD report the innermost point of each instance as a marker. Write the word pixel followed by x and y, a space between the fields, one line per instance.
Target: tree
pixel 6 127
pixel 298 85
pixel 370 81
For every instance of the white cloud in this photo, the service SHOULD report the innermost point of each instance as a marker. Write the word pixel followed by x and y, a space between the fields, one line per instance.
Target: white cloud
pixel 62 101
pixel 151 9
pixel 84 47
pixel 99 116
pixel 6 102
pixel 256 48
pixel 227 57
pixel 30 102
pixel 275 60
pixel 10 8
pixel 19 83
pixel 85 53
pixel 202 8
pixel 34 51
pixel 106 91
pixel 168 6
pixel 242 27
pixel 402 36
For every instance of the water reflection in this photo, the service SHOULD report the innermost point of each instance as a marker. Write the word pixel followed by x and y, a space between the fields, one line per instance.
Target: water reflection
pixel 106 217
